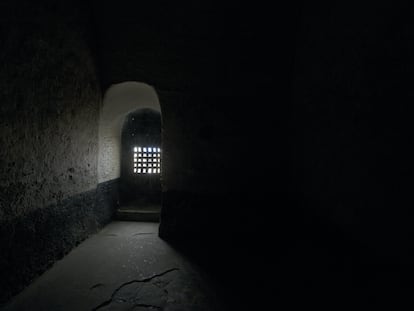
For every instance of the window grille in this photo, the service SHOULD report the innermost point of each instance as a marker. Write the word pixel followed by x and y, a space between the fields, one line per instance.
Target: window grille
pixel 147 160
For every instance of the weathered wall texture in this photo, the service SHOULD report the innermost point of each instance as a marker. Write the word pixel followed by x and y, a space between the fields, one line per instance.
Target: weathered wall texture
pixel 49 113
pixel 49 106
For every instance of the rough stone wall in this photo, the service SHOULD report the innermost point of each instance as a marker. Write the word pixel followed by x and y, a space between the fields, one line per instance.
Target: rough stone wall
pixel 49 113
pixel 49 107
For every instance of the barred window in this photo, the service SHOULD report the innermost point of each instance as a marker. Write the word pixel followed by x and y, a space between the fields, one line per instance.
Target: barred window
pixel 147 160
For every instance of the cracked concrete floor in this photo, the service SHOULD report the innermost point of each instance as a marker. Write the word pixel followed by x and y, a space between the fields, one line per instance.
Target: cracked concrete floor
pixel 125 266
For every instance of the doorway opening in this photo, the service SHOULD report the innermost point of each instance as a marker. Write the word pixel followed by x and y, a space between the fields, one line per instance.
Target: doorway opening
pixel 131 119
pixel 140 183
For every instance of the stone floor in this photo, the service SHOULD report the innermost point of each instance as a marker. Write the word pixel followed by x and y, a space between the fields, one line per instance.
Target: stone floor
pixel 139 210
pixel 123 267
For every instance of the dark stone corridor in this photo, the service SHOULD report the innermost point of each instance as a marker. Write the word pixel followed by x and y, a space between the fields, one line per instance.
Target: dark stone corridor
pixel 283 174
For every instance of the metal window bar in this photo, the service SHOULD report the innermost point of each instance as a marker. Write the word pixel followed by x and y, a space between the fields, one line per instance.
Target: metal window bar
pixel 147 160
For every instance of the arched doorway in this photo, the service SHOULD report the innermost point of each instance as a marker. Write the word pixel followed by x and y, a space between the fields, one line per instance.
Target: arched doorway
pixel 131 118
pixel 140 184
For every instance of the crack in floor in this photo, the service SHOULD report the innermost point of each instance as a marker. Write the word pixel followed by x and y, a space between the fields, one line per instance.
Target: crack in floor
pixel 96 286
pixel 143 305
pixel 145 280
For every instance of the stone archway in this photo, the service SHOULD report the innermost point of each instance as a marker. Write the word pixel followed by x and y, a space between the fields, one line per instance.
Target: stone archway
pixel 119 101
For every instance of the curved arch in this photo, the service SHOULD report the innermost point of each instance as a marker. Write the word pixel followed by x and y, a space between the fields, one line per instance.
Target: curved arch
pixel 119 100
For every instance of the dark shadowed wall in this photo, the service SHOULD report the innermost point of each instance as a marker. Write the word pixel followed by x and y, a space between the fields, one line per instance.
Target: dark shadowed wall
pixel 351 116
pixel 285 134
pixel 222 74
pixel 49 111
